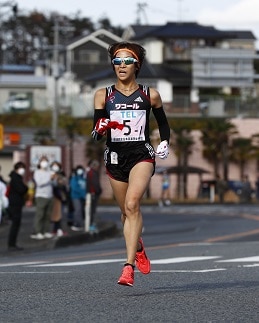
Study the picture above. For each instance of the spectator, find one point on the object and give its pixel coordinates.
(1, 177)
(4, 202)
(17, 194)
(165, 195)
(94, 188)
(77, 185)
(60, 197)
(70, 207)
(43, 178)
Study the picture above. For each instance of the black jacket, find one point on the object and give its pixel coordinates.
(17, 190)
(93, 182)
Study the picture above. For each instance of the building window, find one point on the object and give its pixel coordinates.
(89, 56)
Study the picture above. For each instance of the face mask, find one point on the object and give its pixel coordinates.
(55, 168)
(21, 171)
(80, 171)
(44, 164)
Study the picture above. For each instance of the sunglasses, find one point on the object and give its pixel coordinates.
(126, 60)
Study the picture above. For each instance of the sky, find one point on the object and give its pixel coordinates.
(222, 14)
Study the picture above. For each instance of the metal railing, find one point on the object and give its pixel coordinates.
(229, 107)
(220, 106)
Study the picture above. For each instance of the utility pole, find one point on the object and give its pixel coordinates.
(180, 10)
(141, 10)
(55, 73)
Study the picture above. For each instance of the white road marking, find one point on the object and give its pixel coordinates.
(180, 259)
(81, 263)
(35, 272)
(188, 244)
(254, 265)
(244, 259)
(188, 271)
(106, 261)
(41, 264)
(12, 264)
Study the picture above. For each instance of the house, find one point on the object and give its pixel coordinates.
(216, 60)
(22, 87)
(84, 56)
(187, 63)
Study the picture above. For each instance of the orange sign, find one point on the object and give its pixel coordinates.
(11, 138)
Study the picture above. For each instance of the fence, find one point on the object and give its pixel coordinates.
(229, 107)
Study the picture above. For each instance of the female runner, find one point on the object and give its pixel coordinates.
(122, 114)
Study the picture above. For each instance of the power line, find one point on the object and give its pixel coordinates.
(177, 14)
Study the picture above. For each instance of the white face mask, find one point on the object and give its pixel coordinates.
(21, 171)
(55, 168)
(80, 171)
(44, 164)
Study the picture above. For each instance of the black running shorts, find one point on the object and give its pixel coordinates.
(119, 164)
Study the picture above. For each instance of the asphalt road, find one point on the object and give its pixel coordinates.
(204, 269)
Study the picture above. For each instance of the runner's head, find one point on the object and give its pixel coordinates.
(135, 50)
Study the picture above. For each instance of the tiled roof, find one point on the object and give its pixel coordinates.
(95, 36)
(143, 30)
(187, 30)
(242, 34)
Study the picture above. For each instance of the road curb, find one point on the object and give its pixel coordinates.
(107, 229)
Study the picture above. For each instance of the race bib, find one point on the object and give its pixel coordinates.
(134, 122)
(114, 158)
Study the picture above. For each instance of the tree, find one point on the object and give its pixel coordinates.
(27, 38)
(106, 24)
(241, 151)
(183, 142)
(255, 141)
(215, 138)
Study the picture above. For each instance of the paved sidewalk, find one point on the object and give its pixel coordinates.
(106, 229)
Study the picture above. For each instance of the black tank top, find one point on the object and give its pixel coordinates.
(133, 112)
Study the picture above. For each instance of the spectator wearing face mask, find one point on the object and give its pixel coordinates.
(43, 178)
(60, 197)
(17, 193)
(77, 185)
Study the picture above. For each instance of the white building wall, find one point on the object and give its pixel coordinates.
(154, 51)
(166, 90)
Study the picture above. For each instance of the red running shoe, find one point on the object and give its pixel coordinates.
(142, 261)
(127, 276)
